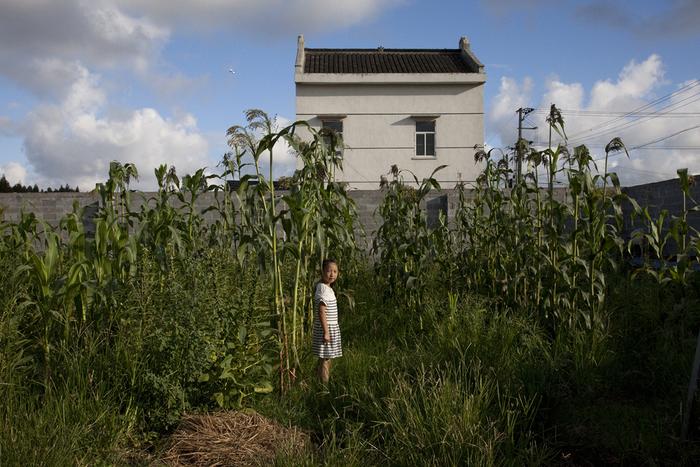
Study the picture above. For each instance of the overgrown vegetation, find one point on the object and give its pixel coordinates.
(526, 330)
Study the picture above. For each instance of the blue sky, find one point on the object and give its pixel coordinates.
(85, 82)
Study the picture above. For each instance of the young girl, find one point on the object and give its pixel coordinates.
(326, 333)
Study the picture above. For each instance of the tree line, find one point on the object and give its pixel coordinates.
(6, 187)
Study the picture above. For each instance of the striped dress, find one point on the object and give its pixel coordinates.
(333, 349)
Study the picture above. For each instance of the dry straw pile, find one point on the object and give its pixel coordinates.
(232, 439)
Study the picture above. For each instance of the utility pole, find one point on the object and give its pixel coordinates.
(522, 113)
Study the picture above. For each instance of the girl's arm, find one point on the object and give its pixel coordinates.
(322, 310)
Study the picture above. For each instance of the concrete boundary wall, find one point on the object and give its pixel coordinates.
(51, 207)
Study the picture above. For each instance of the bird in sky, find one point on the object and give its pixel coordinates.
(230, 70)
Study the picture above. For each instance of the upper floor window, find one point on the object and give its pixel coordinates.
(425, 138)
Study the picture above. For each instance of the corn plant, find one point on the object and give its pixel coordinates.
(315, 217)
(664, 234)
(544, 254)
(404, 243)
(159, 222)
(320, 218)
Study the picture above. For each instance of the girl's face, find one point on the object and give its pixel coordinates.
(330, 273)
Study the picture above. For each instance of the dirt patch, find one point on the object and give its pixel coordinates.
(232, 439)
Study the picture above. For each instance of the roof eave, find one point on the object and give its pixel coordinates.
(389, 78)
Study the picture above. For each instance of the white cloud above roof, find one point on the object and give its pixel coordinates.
(60, 52)
(593, 117)
(74, 140)
(41, 41)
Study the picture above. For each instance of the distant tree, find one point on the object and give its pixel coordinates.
(4, 185)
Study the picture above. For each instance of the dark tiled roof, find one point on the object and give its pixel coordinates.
(385, 61)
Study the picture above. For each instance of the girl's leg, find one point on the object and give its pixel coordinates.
(324, 369)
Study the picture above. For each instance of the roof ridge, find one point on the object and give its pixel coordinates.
(384, 50)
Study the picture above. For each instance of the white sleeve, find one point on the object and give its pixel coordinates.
(319, 295)
(324, 294)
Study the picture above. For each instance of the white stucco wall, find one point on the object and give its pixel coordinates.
(379, 128)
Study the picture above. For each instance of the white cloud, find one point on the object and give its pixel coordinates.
(511, 96)
(595, 117)
(635, 82)
(74, 141)
(58, 51)
(565, 96)
(284, 159)
(261, 18)
(14, 173)
(41, 41)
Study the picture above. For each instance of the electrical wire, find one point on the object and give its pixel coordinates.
(627, 125)
(666, 137)
(684, 88)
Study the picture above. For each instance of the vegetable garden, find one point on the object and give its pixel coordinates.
(518, 332)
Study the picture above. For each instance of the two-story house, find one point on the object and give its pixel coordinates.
(416, 108)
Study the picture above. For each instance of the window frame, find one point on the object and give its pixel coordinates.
(424, 135)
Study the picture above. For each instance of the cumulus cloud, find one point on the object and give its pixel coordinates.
(43, 42)
(14, 172)
(74, 140)
(566, 96)
(511, 96)
(635, 82)
(261, 18)
(284, 157)
(58, 52)
(594, 117)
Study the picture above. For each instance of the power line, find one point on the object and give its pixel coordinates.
(648, 172)
(624, 126)
(647, 145)
(635, 114)
(667, 137)
(674, 148)
(639, 109)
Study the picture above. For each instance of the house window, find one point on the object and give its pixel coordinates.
(425, 138)
(335, 126)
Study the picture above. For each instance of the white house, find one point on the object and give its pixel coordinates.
(416, 108)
